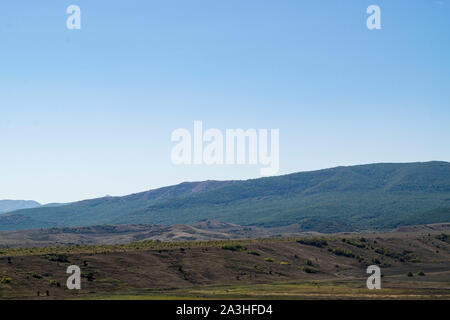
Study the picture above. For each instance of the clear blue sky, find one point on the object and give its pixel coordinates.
(90, 112)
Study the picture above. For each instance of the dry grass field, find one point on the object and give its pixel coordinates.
(319, 267)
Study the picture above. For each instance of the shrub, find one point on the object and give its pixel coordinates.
(343, 252)
(5, 280)
(402, 257)
(355, 243)
(284, 263)
(60, 257)
(253, 253)
(261, 269)
(413, 259)
(231, 247)
(90, 276)
(53, 282)
(410, 274)
(420, 273)
(309, 270)
(269, 259)
(443, 237)
(320, 243)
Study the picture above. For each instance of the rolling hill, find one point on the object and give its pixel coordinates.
(374, 196)
(307, 267)
(121, 234)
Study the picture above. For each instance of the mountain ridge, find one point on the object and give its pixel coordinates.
(344, 198)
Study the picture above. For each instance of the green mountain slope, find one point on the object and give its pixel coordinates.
(346, 198)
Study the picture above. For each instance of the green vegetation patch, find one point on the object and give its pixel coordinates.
(54, 283)
(310, 270)
(319, 243)
(403, 256)
(444, 237)
(5, 280)
(356, 242)
(235, 247)
(344, 252)
(59, 257)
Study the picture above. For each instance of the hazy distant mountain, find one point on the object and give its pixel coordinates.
(338, 199)
(12, 205)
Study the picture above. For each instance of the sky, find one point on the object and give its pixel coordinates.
(90, 112)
